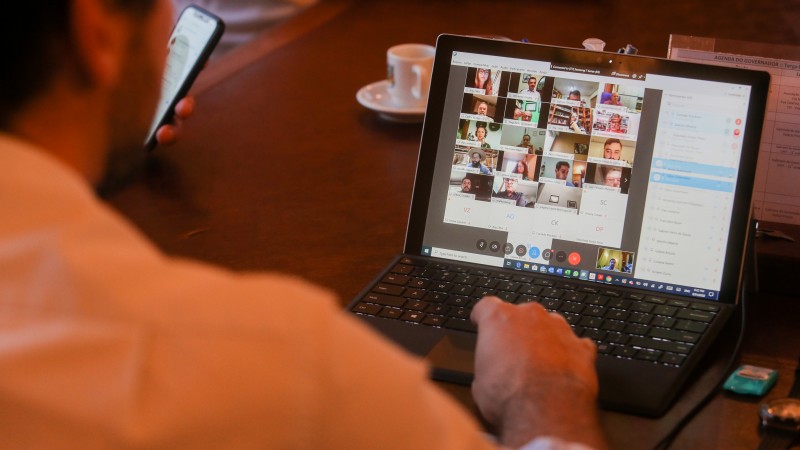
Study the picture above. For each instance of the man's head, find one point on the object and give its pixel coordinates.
(85, 79)
(611, 263)
(612, 149)
(612, 177)
(510, 184)
(562, 170)
(483, 108)
(466, 185)
(477, 157)
(532, 83)
(526, 140)
(574, 95)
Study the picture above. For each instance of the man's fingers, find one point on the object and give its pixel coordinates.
(484, 308)
(167, 135)
(185, 107)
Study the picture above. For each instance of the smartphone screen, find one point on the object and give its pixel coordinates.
(195, 35)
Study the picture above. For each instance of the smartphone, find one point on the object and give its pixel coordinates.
(194, 37)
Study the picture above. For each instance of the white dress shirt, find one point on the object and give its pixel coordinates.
(105, 342)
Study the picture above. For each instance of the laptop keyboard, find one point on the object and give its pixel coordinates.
(622, 324)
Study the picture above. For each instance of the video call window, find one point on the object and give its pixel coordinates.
(613, 260)
(477, 133)
(611, 150)
(475, 159)
(513, 191)
(576, 146)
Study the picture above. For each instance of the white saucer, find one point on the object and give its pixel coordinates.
(375, 97)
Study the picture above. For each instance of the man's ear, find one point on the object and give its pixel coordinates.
(100, 35)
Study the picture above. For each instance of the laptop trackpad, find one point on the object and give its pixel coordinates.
(453, 358)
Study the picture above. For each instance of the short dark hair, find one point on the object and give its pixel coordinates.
(561, 164)
(35, 47)
(612, 141)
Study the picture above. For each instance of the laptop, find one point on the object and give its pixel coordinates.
(613, 189)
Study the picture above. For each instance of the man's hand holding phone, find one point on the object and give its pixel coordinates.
(194, 37)
(168, 134)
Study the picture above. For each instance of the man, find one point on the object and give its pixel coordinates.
(612, 149)
(574, 95)
(477, 156)
(482, 110)
(509, 192)
(612, 176)
(611, 263)
(524, 109)
(108, 343)
(562, 172)
(531, 91)
(466, 185)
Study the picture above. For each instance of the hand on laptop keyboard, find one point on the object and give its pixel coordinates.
(533, 375)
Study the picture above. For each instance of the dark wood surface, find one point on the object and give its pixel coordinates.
(281, 169)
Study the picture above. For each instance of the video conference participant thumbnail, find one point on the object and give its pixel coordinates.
(612, 122)
(477, 186)
(560, 196)
(482, 108)
(561, 171)
(475, 160)
(525, 112)
(520, 165)
(476, 133)
(612, 151)
(578, 93)
(486, 81)
(626, 96)
(520, 138)
(615, 177)
(615, 260)
(570, 145)
(509, 189)
(528, 86)
(575, 119)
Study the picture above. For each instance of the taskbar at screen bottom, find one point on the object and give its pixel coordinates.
(620, 279)
(603, 277)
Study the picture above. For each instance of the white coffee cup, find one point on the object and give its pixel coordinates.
(408, 68)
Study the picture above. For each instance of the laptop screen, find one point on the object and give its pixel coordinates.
(594, 166)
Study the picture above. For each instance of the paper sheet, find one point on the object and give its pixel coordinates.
(776, 193)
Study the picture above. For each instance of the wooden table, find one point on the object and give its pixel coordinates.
(281, 169)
